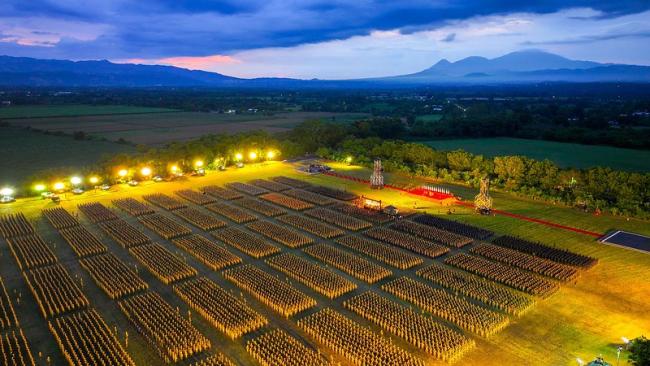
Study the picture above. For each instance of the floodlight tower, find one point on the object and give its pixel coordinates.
(377, 177)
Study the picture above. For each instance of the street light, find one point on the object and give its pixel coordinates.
(252, 155)
(93, 180)
(618, 354)
(6, 191)
(122, 173)
(75, 180)
(239, 156)
(59, 186)
(146, 171)
(348, 159)
(270, 155)
(39, 187)
(198, 163)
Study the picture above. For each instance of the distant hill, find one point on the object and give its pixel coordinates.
(523, 66)
(517, 67)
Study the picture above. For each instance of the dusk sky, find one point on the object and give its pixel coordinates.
(321, 39)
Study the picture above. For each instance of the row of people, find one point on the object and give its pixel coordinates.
(225, 312)
(316, 277)
(313, 226)
(281, 234)
(278, 295)
(351, 264)
(286, 201)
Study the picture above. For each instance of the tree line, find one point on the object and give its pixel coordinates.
(598, 188)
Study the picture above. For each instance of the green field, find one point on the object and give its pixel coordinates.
(35, 111)
(25, 153)
(429, 118)
(563, 154)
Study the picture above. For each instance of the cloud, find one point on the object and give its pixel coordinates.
(167, 28)
(393, 52)
(319, 38)
(449, 38)
(208, 63)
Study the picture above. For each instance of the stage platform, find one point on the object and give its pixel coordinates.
(628, 240)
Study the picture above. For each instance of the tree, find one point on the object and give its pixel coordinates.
(640, 352)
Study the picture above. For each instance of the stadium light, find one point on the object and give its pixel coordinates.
(6, 191)
(146, 171)
(59, 186)
(239, 156)
(122, 173)
(39, 187)
(75, 180)
(93, 180)
(252, 155)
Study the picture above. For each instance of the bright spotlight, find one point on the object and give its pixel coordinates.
(198, 163)
(58, 186)
(122, 173)
(93, 180)
(270, 155)
(252, 155)
(75, 180)
(239, 156)
(146, 171)
(39, 187)
(6, 191)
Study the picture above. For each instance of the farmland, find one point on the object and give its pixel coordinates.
(583, 317)
(67, 110)
(563, 154)
(162, 128)
(47, 152)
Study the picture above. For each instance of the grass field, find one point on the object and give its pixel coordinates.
(429, 118)
(563, 154)
(35, 111)
(25, 153)
(584, 319)
(161, 128)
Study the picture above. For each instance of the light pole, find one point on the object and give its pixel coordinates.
(618, 354)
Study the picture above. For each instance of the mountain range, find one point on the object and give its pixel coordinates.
(528, 66)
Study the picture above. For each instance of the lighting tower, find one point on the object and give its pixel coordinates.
(377, 177)
(483, 201)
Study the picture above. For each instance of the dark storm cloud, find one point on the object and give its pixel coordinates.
(148, 28)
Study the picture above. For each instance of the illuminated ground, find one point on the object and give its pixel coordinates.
(581, 320)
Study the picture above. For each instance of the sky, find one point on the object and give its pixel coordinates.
(330, 39)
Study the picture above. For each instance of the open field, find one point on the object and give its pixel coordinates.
(429, 118)
(161, 128)
(563, 154)
(586, 317)
(25, 153)
(39, 111)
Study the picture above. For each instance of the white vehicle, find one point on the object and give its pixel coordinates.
(239, 164)
(47, 195)
(7, 199)
(133, 183)
(158, 179)
(104, 187)
(77, 191)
